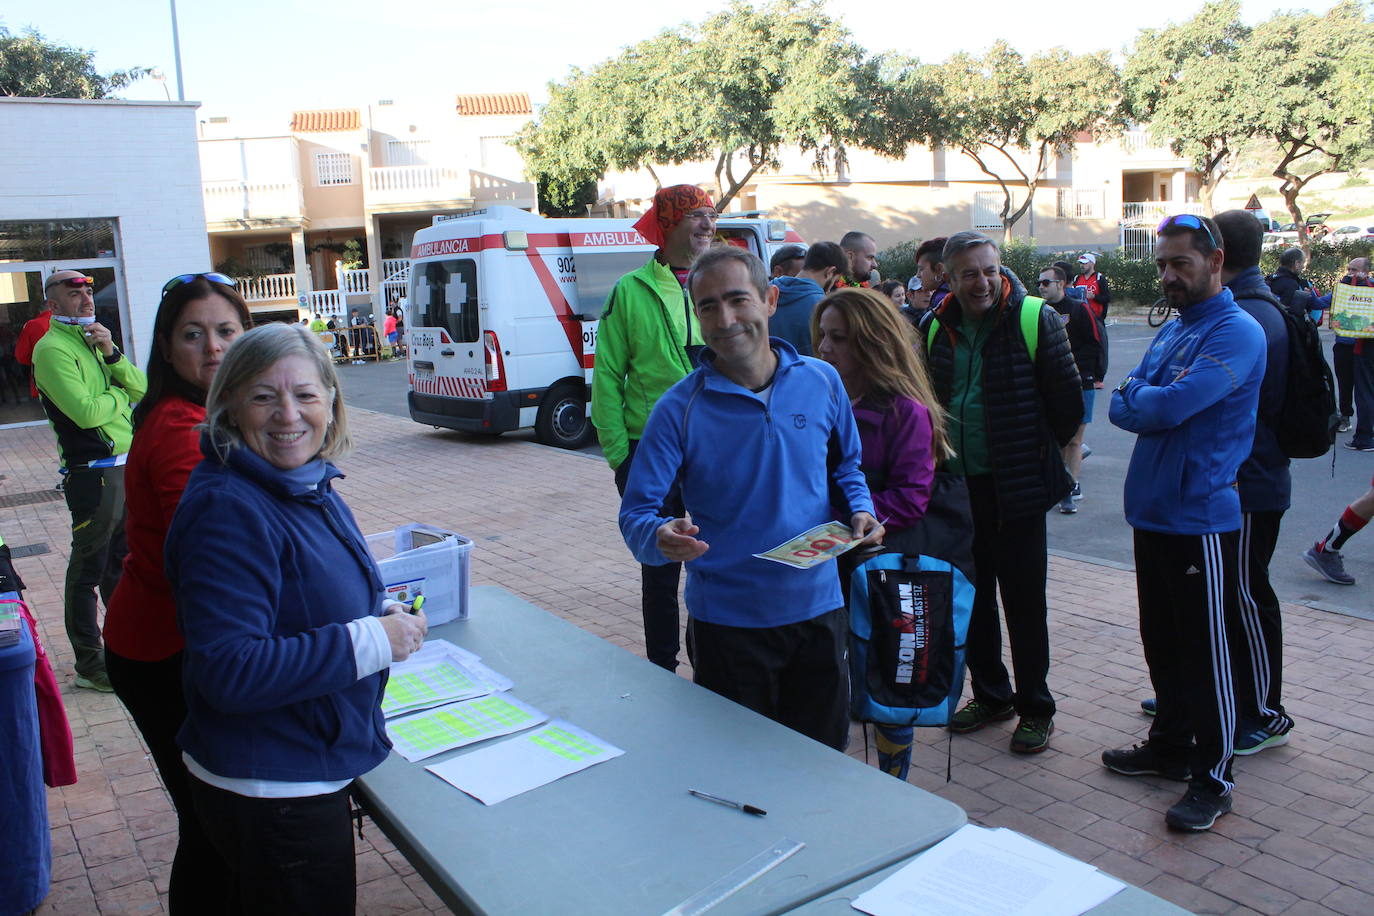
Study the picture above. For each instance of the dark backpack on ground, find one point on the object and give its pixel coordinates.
(1307, 421)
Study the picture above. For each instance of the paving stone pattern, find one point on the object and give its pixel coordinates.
(1301, 839)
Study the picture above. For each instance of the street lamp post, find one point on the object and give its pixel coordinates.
(176, 53)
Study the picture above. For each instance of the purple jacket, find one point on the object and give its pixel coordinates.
(897, 459)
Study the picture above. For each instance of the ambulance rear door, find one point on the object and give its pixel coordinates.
(447, 360)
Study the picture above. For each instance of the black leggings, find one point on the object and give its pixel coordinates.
(151, 691)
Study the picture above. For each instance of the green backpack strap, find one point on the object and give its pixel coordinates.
(1030, 325)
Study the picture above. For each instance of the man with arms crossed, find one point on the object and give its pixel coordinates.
(1192, 403)
(87, 388)
(748, 434)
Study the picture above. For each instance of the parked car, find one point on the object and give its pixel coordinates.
(1351, 233)
(1288, 233)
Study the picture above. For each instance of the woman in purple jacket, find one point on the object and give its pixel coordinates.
(901, 427)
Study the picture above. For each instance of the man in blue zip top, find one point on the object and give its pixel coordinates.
(748, 435)
(1192, 402)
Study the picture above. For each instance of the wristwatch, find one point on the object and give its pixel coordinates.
(1124, 382)
(113, 357)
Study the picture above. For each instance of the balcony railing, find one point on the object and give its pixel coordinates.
(236, 200)
(355, 281)
(488, 189)
(265, 288)
(396, 268)
(327, 301)
(400, 184)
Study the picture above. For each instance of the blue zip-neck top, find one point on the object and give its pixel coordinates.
(754, 474)
(1192, 401)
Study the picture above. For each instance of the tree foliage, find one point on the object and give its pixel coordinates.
(734, 90)
(34, 67)
(1315, 108)
(1188, 83)
(1012, 116)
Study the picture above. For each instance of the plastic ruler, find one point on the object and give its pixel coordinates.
(737, 878)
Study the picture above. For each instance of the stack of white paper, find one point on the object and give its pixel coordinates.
(982, 872)
(439, 673)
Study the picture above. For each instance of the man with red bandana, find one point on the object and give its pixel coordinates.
(646, 342)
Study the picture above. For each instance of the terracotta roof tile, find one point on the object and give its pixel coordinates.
(327, 120)
(502, 103)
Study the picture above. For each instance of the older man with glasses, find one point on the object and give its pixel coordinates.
(1192, 402)
(87, 388)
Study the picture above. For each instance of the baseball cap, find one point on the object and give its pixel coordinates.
(1087, 257)
(786, 253)
(914, 283)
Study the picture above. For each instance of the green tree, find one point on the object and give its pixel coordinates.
(33, 67)
(1011, 116)
(734, 90)
(1316, 109)
(563, 197)
(1188, 83)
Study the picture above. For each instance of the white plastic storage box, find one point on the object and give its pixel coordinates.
(424, 560)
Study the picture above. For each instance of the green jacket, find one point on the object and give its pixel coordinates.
(88, 401)
(641, 352)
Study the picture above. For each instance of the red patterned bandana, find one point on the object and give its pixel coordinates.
(669, 207)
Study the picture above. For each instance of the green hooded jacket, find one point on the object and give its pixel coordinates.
(88, 400)
(641, 352)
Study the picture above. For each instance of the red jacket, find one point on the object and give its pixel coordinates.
(34, 328)
(54, 732)
(140, 623)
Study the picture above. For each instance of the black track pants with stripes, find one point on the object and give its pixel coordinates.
(1189, 606)
(1259, 655)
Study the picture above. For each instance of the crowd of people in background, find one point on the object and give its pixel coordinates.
(738, 403)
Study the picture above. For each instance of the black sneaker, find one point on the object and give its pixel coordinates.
(1344, 426)
(1141, 760)
(975, 715)
(1032, 734)
(1356, 445)
(1067, 506)
(1149, 706)
(1197, 810)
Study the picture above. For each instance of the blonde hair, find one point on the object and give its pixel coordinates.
(885, 345)
(250, 356)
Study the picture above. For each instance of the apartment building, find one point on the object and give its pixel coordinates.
(315, 211)
(1096, 195)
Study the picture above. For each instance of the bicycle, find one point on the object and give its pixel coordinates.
(1160, 312)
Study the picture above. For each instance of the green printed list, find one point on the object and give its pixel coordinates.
(465, 721)
(425, 685)
(565, 744)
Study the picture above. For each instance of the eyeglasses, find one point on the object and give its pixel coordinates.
(1188, 221)
(187, 278)
(1046, 282)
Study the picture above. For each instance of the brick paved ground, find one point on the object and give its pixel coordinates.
(1301, 839)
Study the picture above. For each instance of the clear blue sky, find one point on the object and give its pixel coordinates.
(287, 53)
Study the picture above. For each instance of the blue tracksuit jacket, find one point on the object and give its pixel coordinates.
(753, 475)
(1192, 400)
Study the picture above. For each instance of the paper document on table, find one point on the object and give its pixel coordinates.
(1015, 876)
(824, 542)
(439, 674)
(528, 761)
(424, 734)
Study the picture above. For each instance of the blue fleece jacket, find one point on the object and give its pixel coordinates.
(1264, 479)
(754, 474)
(268, 569)
(1192, 401)
(797, 298)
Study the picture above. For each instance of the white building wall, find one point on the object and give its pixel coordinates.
(135, 162)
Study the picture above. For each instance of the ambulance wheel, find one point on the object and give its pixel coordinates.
(562, 420)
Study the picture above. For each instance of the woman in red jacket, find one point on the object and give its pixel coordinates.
(200, 315)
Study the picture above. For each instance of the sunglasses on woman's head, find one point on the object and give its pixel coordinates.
(187, 278)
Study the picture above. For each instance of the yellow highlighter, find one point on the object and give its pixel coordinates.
(418, 603)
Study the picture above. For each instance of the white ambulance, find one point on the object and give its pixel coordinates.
(503, 307)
